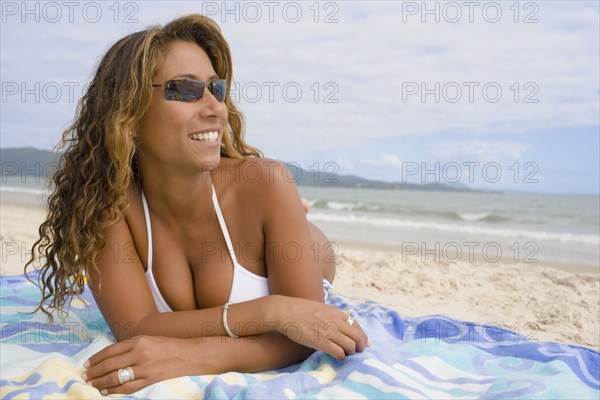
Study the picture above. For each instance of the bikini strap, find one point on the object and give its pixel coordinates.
(223, 225)
(149, 232)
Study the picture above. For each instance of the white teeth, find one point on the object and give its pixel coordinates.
(209, 137)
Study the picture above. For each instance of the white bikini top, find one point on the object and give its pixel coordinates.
(245, 286)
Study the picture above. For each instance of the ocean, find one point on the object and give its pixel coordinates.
(436, 225)
(454, 226)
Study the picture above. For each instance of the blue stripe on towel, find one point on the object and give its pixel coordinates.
(430, 357)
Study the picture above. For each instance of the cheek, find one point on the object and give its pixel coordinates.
(223, 113)
(164, 115)
(152, 117)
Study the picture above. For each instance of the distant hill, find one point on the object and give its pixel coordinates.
(32, 161)
(325, 178)
(27, 161)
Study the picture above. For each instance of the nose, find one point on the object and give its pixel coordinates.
(209, 105)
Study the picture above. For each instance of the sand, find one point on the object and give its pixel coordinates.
(544, 302)
(540, 302)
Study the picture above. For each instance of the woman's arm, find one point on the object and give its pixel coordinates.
(125, 300)
(294, 260)
(154, 359)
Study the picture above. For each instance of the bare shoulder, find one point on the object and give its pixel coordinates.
(127, 235)
(256, 176)
(266, 185)
(122, 222)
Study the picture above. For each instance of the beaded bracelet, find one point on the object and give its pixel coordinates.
(229, 332)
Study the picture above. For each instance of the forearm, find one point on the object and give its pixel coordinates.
(215, 355)
(248, 318)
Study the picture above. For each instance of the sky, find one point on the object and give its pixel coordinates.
(500, 95)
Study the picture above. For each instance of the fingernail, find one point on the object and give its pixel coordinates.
(89, 383)
(368, 343)
(104, 392)
(86, 364)
(84, 376)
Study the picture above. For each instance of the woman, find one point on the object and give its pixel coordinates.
(197, 250)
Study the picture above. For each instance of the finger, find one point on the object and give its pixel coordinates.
(356, 333)
(345, 342)
(127, 387)
(108, 352)
(334, 339)
(359, 336)
(111, 379)
(334, 350)
(109, 365)
(352, 338)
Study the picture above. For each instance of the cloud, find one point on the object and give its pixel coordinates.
(354, 74)
(380, 166)
(477, 150)
(369, 56)
(390, 160)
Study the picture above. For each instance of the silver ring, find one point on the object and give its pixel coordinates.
(350, 320)
(125, 375)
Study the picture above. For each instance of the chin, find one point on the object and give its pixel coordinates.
(210, 164)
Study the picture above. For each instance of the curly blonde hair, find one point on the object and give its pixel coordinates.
(99, 163)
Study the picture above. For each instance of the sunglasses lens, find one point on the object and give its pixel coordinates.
(219, 89)
(184, 90)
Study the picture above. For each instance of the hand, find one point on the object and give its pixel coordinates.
(306, 205)
(319, 326)
(152, 359)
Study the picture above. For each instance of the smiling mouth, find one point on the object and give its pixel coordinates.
(208, 137)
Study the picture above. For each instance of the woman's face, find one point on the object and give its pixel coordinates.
(172, 132)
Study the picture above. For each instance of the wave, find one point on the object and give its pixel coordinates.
(485, 217)
(452, 228)
(462, 216)
(401, 210)
(344, 205)
(339, 205)
(472, 217)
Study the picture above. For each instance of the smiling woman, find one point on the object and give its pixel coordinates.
(153, 202)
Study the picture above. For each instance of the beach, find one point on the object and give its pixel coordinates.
(544, 301)
(541, 302)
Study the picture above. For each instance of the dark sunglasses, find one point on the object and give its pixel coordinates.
(191, 90)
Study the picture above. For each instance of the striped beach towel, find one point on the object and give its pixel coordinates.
(426, 357)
